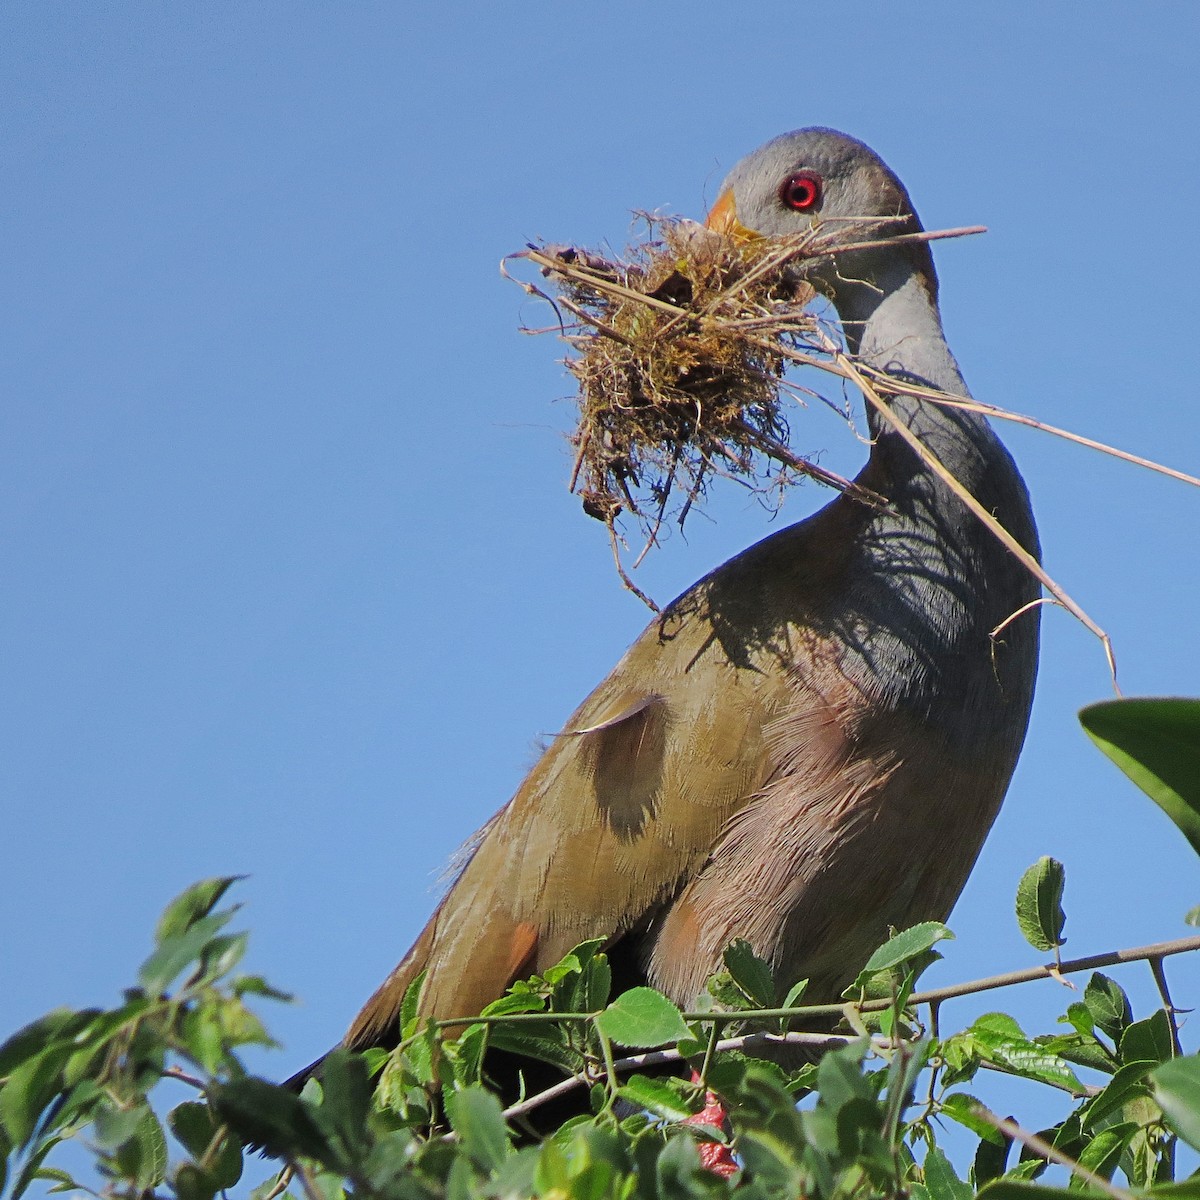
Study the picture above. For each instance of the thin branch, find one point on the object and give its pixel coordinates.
(1160, 981)
(1071, 966)
(615, 544)
(1043, 1149)
(936, 396)
(184, 1077)
(747, 1041)
(899, 239)
(280, 1185)
(1005, 538)
(775, 449)
(306, 1181)
(995, 633)
(1004, 414)
(658, 1058)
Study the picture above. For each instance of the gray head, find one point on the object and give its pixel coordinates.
(826, 178)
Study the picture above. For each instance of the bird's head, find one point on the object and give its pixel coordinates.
(825, 179)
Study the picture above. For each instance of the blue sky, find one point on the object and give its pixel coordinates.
(292, 580)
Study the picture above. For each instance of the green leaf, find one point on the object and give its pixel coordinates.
(903, 946)
(840, 1078)
(1156, 742)
(1108, 1004)
(113, 1126)
(940, 1179)
(465, 1054)
(28, 1090)
(665, 1098)
(26, 1043)
(195, 1125)
(477, 1117)
(1080, 1049)
(62, 1181)
(222, 954)
(965, 1110)
(515, 1002)
(176, 952)
(194, 1183)
(573, 962)
(588, 992)
(998, 1026)
(1019, 1189)
(265, 1115)
(347, 1100)
(1177, 1089)
(1000, 1040)
(1039, 903)
(679, 1174)
(642, 1017)
(750, 973)
(1149, 1040)
(547, 1043)
(33, 1168)
(143, 1156)
(1103, 1152)
(190, 906)
(1126, 1085)
(1185, 1189)
(1080, 1018)
(991, 1160)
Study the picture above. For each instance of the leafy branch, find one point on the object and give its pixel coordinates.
(423, 1121)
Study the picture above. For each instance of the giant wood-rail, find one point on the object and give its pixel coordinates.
(810, 744)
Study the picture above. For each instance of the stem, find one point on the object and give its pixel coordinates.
(710, 1049)
(1005, 538)
(1004, 414)
(1160, 981)
(306, 1182)
(184, 1077)
(1050, 1153)
(1071, 966)
(280, 1185)
(610, 1069)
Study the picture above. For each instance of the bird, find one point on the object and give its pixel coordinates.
(807, 748)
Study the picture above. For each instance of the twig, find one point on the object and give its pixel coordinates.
(280, 1185)
(936, 396)
(184, 1077)
(1071, 966)
(778, 451)
(1043, 1149)
(933, 997)
(899, 239)
(306, 1182)
(1005, 538)
(614, 542)
(657, 1058)
(1160, 981)
(1004, 414)
(995, 633)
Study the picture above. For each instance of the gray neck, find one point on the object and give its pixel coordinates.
(933, 581)
(899, 326)
(896, 327)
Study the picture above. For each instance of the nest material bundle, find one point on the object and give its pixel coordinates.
(680, 350)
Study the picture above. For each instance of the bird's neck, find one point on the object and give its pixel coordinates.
(932, 580)
(893, 324)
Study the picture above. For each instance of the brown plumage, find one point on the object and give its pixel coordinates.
(811, 743)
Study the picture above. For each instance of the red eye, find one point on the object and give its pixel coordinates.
(801, 191)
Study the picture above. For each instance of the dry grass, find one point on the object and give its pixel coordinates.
(680, 350)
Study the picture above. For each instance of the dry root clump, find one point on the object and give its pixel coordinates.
(680, 352)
